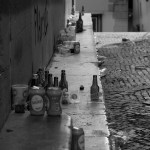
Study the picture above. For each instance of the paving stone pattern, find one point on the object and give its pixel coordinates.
(126, 87)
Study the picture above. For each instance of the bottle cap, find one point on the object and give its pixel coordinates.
(81, 87)
(46, 72)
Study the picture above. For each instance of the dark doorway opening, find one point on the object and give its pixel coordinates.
(72, 3)
(97, 22)
(130, 16)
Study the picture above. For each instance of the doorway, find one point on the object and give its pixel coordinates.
(97, 22)
(130, 15)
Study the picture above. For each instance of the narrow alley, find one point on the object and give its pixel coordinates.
(45, 132)
(72, 77)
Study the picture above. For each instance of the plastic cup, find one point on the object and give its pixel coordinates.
(19, 94)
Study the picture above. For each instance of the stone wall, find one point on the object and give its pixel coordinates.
(4, 62)
(28, 32)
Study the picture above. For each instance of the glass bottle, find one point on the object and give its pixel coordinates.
(34, 83)
(34, 80)
(56, 82)
(41, 76)
(79, 24)
(54, 95)
(73, 10)
(94, 90)
(82, 10)
(50, 80)
(63, 84)
(46, 79)
(80, 16)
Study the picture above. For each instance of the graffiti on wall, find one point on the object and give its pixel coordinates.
(1, 40)
(40, 23)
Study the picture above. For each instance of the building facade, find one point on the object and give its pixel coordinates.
(141, 15)
(117, 15)
(107, 15)
(28, 33)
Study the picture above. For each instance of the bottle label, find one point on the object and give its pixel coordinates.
(81, 142)
(95, 96)
(55, 103)
(37, 103)
(65, 96)
(57, 107)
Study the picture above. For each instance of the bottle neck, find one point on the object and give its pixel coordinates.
(63, 77)
(80, 18)
(50, 80)
(46, 76)
(82, 8)
(55, 81)
(95, 80)
(34, 81)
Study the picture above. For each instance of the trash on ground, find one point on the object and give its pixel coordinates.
(81, 87)
(74, 97)
(103, 72)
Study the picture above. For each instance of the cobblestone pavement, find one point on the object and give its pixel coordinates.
(126, 87)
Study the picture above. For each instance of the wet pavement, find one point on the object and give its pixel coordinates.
(23, 131)
(80, 68)
(126, 86)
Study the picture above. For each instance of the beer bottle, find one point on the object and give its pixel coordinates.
(72, 10)
(56, 82)
(54, 95)
(46, 79)
(50, 81)
(79, 24)
(94, 91)
(41, 76)
(82, 10)
(63, 84)
(34, 81)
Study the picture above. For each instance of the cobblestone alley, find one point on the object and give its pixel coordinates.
(126, 87)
